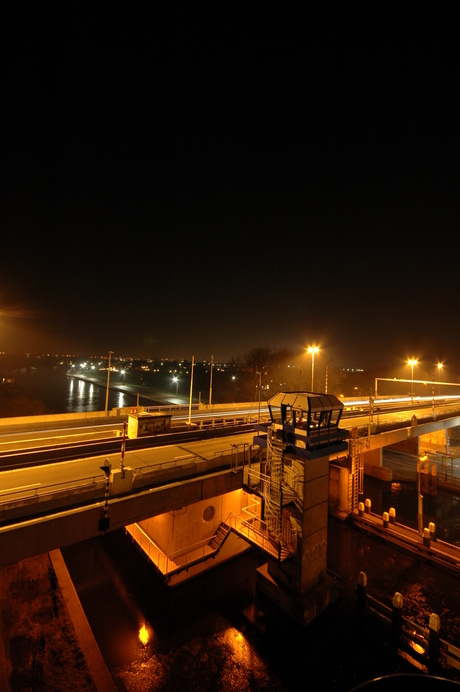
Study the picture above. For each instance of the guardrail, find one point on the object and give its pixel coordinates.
(424, 644)
(174, 562)
(24, 502)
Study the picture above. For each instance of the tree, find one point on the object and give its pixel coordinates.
(19, 405)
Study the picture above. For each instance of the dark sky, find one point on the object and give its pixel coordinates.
(213, 177)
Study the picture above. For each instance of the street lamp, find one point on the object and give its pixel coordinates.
(412, 362)
(439, 376)
(312, 350)
(176, 381)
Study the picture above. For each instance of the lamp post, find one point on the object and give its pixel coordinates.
(312, 350)
(191, 392)
(420, 496)
(412, 362)
(439, 376)
(258, 372)
(210, 381)
(108, 380)
(176, 382)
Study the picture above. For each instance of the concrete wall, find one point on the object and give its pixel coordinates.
(183, 528)
(436, 438)
(32, 422)
(371, 459)
(454, 435)
(411, 445)
(338, 491)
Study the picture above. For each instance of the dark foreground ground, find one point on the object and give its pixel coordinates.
(211, 638)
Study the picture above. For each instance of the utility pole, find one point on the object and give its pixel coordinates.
(104, 522)
(123, 446)
(108, 380)
(260, 387)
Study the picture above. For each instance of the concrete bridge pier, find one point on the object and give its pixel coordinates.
(300, 585)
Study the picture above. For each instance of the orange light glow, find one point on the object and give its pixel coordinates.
(416, 647)
(143, 634)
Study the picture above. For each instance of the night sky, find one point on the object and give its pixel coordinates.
(213, 177)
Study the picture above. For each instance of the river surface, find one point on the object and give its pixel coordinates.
(215, 632)
(61, 393)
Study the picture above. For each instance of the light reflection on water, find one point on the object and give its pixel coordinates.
(62, 393)
(228, 657)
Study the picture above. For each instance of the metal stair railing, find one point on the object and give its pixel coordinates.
(258, 534)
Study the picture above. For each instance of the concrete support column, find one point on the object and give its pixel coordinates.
(313, 551)
(338, 491)
(308, 568)
(300, 584)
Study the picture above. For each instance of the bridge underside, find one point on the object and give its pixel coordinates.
(42, 534)
(416, 440)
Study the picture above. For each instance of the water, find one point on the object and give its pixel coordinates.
(61, 393)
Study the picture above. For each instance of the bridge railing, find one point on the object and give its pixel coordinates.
(19, 503)
(171, 563)
(255, 531)
(31, 500)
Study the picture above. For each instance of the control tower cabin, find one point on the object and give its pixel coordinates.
(306, 423)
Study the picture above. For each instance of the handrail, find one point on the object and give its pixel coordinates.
(167, 563)
(36, 491)
(167, 464)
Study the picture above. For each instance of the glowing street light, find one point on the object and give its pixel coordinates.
(412, 362)
(312, 350)
(176, 381)
(439, 375)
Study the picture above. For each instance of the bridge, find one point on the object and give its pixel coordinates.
(217, 473)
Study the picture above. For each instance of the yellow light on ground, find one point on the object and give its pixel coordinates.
(143, 635)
